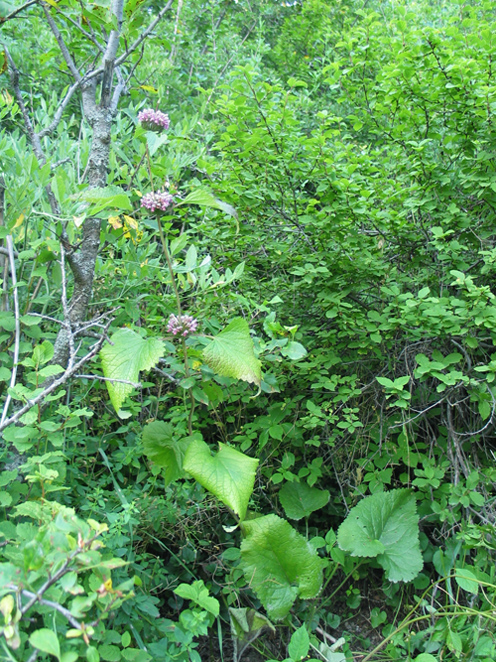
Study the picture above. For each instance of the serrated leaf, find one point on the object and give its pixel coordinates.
(46, 641)
(300, 500)
(231, 354)
(207, 199)
(385, 525)
(279, 564)
(229, 475)
(197, 592)
(124, 359)
(299, 645)
(165, 450)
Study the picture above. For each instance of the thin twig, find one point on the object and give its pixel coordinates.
(94, 349)
(61, 44)
(65, 308)
(144, 34)
(109, 379)
(13, 377)
(14, 13)
(54, 605)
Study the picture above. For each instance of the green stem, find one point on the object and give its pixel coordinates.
(340, 585)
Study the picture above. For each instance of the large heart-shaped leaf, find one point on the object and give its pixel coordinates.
(229, 475)
(300, 500)
(128, 354)
(279, 564)
(164, 449)
(385, 525)
(231, 354)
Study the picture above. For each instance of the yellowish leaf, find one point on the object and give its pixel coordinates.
(115, 222)
(19, 221)
(131, 222)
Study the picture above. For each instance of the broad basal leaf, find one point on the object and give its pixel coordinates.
(385, 525)
(124, 359)
(164, 449)
(229, 475)
(279, 564)
(300, 500)
(231, 354)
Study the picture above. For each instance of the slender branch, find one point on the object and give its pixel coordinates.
(111, 54)
(90, 37)
(5, 251)
(109, 379)
(144, 34)
(65, 308)
(56, 383)
(13, 377)
(58, 115)
(54, 605)
(61, 44)
(18, 11)
(118, 90)
(33, 136)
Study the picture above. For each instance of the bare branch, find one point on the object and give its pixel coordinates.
(18, 11)
(111, 54)
(54, 605)
(5, 251)
(13, 376)
(58, 115)
(109, 379)
(61, 43)
(144, 34)
(33, 136)
(90, 37)
(68, 373)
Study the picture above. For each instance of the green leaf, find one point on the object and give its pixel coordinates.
(207, 199)
(230, 354)
(385, 525)
(109, 196)
(124, 359)
(467, 580)
(294, 351)
(197, 592)
(248, 624)
(425, 657)
(164, 449)
(229, 475)
(109, 653)
(279, 564)
(300, 500)
(46, 641)
(299, 645)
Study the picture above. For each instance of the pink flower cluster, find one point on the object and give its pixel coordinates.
(153, 120)
(157, 201)
(183, 325)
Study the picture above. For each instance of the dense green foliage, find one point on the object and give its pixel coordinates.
(275, 414)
